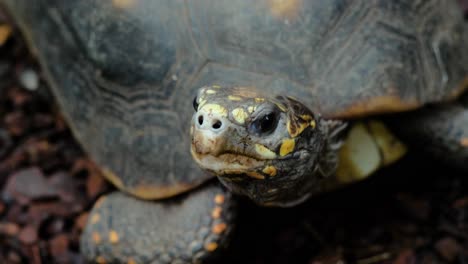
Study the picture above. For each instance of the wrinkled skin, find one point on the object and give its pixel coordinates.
(272, 149)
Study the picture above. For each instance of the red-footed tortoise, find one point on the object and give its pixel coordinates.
(277, 75)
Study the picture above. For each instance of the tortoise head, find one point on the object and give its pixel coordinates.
(271, 148)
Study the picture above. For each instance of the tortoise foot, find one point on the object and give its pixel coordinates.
(441, 131)
(186, 229)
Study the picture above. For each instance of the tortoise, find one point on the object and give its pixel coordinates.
(275, 83)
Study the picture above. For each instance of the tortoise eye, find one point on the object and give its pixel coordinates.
(264, 124)
(195, 103)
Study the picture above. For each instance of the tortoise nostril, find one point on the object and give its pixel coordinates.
(217, 124)
(200, 120)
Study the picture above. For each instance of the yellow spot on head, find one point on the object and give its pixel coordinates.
(296, 129)
(264, 152)
(255, 175)
(216, 213)
(259, 100)
(219, 228)
(201, 102)
(216, 86)
(251, 109)
(464, 142)
(212, 246)
(95, 218)
(101, 260)
(281, 107)
(113, 237)
(313, 124)
(219, 199)
(215, 109)
(287, 146)
(239, 115)
(96, 237)
(270, 170)
(234, 98)
(210, 92)
(306, 117)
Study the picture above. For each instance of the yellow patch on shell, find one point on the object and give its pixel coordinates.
(287, 146)
(264, 152)
(239, 115)
(270, 170)
(234, 98)
(215, 109)
(113, 237)
(255, 175)
(210, 92)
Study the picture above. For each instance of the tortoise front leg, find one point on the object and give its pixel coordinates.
(186, 229)
(441, 131)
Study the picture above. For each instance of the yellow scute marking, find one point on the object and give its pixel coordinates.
(210, 92)
(264, 152)
(215, 109)
(239, 115)
(287, 146)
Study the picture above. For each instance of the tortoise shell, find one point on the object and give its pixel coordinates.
(125, 71)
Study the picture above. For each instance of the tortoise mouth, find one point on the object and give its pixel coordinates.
(226, 163)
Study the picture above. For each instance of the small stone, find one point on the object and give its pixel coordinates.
(30, 183)
(59, 245)
(9, 229)
(448, 248)
(29, 79)
(28, 235)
